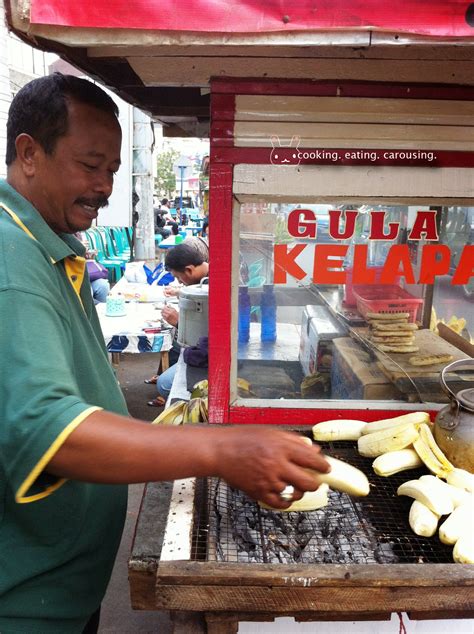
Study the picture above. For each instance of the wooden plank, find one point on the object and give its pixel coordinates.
(279, 600)
(353, 110)
(188, 623)
(338, 88)
(317, 575)
(455, 340)
(197, 71)
(348, 135)
(300, 182)
(142, 585)
(441, 614)
(227, 48)
(178, 532)
(429, 343)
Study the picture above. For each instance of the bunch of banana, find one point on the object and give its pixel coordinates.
(180, 412)
(201, 389)
(244, 389)
(314, 385)
(458, 324)
(172, 415)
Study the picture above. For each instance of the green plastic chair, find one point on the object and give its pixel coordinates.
(120, 241)
(114, 267)
(109, 247)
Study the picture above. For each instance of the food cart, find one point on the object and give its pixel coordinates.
(341, 188)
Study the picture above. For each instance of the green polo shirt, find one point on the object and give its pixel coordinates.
(58, 538)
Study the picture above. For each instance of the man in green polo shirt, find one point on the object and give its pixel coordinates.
(67, 447)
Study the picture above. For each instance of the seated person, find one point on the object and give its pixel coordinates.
(98, 274)
(188, 266)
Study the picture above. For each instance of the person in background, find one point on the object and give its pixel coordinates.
(189, 266)
(205, 229)
(68, 446)
(99, 279)
(200, 245)
(98, 274)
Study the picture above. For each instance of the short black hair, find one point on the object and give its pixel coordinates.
(164, 201)
(181, 256)
(40, 109)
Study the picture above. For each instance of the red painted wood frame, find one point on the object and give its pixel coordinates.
(224, 155)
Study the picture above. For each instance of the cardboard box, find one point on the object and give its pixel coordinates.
(318, 329)
(355, 376)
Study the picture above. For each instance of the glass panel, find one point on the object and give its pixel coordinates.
(342, 302)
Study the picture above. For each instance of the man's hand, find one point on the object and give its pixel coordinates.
(262, 462)
(170, 315)
(171, 291)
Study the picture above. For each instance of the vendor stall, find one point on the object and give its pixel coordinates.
(342, 209)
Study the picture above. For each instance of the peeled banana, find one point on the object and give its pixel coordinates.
(415, 418)
(463, 552)
(344, 477)
(395, 461)
(311, 501)
(426, 447)
(460, 520)
(391, 439)
(338, 430)
(461, 479)
(422, 520)
(458, 496)
(427, 494)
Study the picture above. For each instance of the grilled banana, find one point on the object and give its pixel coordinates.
(429, 495)
(422, 520)
(391, 439)
(395, 461)
(338, 430)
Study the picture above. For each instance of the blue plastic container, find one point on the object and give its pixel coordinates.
(244, 314)
(268, 314)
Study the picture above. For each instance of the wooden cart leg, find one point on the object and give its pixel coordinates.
(164, 362)
(188, 622)
(222, 623)
(115, 360)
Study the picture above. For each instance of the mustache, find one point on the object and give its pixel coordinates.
(99, 202)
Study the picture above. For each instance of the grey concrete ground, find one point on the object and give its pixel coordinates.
(117, 616)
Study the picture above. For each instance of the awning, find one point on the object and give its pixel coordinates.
(446, 18)
(161, 55)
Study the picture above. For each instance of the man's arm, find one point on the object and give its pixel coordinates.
(260, 461)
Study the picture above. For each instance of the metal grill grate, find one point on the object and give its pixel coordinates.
(230, 527)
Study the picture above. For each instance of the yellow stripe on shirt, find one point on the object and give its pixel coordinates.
(75, 268)
(20, 496)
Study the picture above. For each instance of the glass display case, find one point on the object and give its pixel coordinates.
(357, 292)
(341, 265)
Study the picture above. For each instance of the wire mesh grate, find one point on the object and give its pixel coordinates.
(230, 527)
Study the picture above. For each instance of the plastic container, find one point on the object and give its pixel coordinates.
(268, 314)
(244, 314)
(385, 298)
(349, 297)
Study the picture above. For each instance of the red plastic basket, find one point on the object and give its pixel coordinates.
(384, 298)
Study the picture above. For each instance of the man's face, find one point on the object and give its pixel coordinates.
(191, 275)
(70, 185)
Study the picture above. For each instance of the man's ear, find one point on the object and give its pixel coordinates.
(27, 150)
(189, 269)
